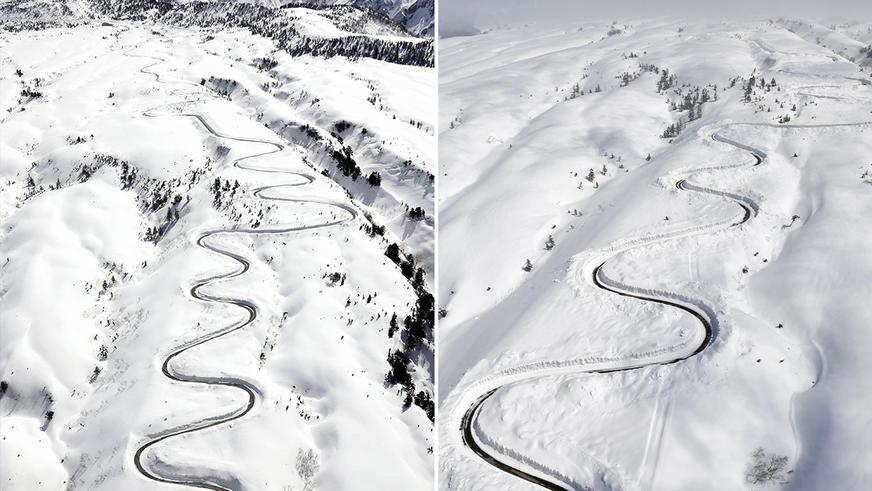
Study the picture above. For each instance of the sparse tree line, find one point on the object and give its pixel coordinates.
(416, 333)
(688, 99)
(265, 64)
(23, 16)
(346, 164)
(755, 88)
(371, 227)
(152, 195)
(273, 24)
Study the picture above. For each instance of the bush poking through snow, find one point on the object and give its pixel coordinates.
(307, 466)
(549, 244)
(765, 468)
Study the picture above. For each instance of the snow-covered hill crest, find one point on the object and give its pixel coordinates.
(327, 31)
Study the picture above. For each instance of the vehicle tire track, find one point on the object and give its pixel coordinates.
(251, 391)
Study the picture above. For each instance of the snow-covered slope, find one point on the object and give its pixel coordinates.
(693, 200)
(203, 240)
(415, 15)
(333, 31)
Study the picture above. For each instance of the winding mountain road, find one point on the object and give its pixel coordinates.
(543, 476)
(345, 213)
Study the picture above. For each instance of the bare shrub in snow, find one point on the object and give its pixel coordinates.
(766, 468)
(307, 466)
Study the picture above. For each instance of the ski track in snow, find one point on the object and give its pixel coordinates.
(141, 458)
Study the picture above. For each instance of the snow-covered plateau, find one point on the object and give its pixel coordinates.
(654, 256)
(216, 248)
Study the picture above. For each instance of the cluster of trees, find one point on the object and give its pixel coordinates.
(398, 373)
(575, 92)
(32, 189)
(219, 191)
(311, 132)
(132, 9)
(27, 16)
(673, 129)
(265, 64)
(345, 162)
(374, 179)
(416, 53)
(692, 101)
(667, 80)
(341, 126)
(424, 401)
(748, 86)
(407, 265)
(549, 245)
(336, 278)
(417, 331)
(417, 213)
(689, 99)
(107, 284)
(371, 227)
(154, 234)
(128, 175)
(28, 94)
(591, 175)
(271, 23)
(628, 77)
(223, 86)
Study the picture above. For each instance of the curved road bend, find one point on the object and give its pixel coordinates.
(471, 413)
(251, 391)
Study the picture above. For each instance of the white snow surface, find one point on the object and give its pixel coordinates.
(785, 371)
